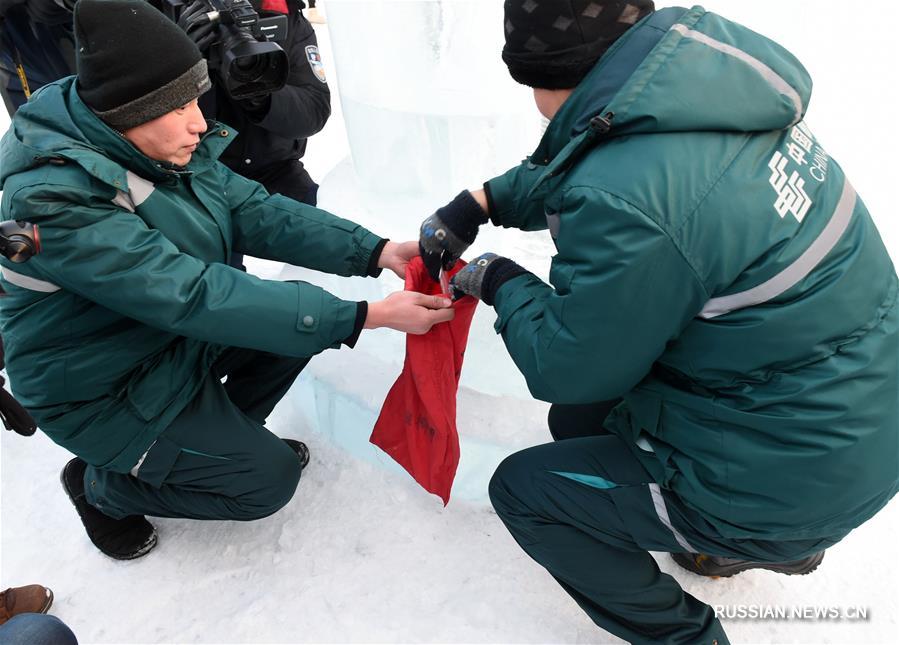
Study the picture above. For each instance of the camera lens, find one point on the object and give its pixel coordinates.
(248, 68)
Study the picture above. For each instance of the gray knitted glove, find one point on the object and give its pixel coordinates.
(483, 276)
(446, 234)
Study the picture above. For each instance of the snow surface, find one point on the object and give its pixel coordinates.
(361, 554)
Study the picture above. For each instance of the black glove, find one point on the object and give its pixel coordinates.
(256, 106)
(446, 234)
(483, 276)
(194, 20)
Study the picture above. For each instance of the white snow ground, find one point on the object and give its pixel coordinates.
(362, 554)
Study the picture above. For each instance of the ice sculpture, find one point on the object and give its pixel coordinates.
(429, 109)
(428, 104)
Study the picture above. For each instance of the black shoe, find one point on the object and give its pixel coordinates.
(300, 448)
(714, 566)
(124, 539)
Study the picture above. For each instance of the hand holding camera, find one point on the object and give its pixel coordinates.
(196, 23)
(240, 46)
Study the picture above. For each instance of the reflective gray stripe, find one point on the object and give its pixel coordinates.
(123, 200)
(775, 80)
(139, 189)
(141, 460)
(803, 265)
(662, 511)
(26, 282)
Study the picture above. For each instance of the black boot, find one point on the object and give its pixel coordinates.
(300, 448)
(124, 539)
(714, 566)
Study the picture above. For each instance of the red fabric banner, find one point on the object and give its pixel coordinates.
(417, 425)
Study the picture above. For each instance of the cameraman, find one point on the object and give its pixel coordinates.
(272, 129)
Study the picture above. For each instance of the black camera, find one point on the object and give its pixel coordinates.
(242, 47)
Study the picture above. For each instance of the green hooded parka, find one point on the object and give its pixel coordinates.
(716, 269)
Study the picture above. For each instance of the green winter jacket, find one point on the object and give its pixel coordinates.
(111, 329)
(716, 269)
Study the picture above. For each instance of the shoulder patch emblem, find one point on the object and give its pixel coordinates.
(315, 62)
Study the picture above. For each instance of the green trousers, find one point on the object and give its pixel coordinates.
(586, 510)
(216, 460)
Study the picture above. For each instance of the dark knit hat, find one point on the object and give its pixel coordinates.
(553, 44)
(133, 63)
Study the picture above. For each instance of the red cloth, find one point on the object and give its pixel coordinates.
(417, 425)
(276, 6)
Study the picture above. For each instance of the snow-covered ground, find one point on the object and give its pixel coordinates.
(361, 554)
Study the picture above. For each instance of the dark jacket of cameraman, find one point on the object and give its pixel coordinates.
(36, 42)
(272, 136)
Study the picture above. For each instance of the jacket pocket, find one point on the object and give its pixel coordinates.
(162, 456)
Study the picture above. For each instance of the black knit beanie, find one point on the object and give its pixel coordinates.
(133, 63)
(553, 44)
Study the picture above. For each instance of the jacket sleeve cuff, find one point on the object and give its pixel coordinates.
(361, 315)
(491, 205)
(373, 270)
(497, 274)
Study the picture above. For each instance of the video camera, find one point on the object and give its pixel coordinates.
(242, 46)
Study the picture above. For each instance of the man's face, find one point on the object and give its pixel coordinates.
(172, 137)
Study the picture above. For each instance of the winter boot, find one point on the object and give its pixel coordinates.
(714, 566)
(300, 448)
(124, 539)
(31, 599)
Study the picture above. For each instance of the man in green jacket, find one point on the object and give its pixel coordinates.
(720, 338)
(120, 331)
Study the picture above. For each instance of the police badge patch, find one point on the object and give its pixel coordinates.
(315, 62)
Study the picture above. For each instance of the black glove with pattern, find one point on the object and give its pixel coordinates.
(446, 234)
(483, 276)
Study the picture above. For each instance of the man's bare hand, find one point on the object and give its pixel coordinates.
(396, 256)
(409, 311)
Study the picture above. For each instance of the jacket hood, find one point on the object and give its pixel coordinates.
(56, 124)
(681, 71)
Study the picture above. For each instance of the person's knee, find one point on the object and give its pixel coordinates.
(278, 476)
(36, 629)
(513, 476)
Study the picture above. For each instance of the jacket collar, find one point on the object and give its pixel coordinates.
(603, 83)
